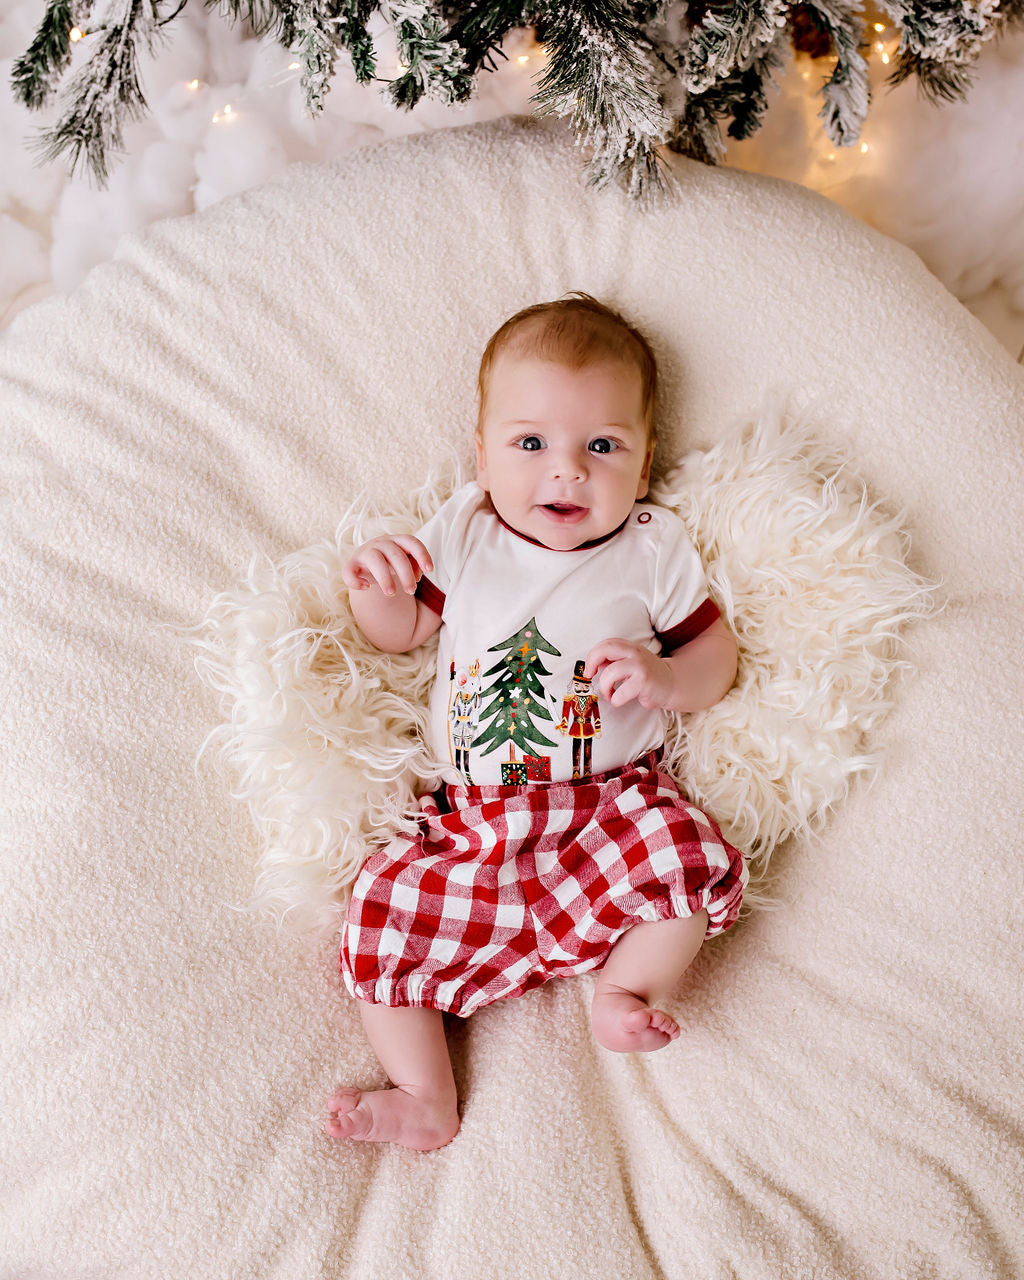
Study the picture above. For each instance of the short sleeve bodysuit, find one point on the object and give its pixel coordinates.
(510, 703)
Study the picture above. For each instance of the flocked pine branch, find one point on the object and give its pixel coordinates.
(847, 92)
(939, 41)
(632, 75)
(481, 27)
(105, 94)
(743, 95)
(354, 36)
(731, 36)
(37, 72)
(433, 63)
(599, 74)
(315, 42)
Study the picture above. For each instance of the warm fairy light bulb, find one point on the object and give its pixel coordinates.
(863, 147)
(879, 26)
(193, 84)
(885, 58)
(294, 66)
(523, 58)
(75, 35)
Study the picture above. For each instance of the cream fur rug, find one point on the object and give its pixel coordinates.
(323, 734)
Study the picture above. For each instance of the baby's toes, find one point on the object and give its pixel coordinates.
(344, 1101)
(663, 1023)
(341, 1123)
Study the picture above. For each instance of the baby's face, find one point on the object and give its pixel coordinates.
(564, 453)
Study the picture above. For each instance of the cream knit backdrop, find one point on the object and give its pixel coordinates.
(845, 1098)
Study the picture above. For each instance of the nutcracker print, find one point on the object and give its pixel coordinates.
(463, 714)
(581, 720)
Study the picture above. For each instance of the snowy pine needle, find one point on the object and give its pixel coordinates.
(104, 95)
(599, 76)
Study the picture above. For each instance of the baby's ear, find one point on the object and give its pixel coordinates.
(645, 474)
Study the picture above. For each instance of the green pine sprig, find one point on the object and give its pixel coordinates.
(103, 96)
(37, 72)
(599, 75)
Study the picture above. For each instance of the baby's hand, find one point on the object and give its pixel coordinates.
(629, 671)
(389, 562)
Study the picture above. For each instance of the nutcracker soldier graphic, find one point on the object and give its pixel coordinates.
(581, 720)
(463, 714)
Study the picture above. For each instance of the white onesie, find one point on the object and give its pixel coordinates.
(510, 704)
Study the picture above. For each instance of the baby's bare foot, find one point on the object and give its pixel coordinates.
(393, 1115)
(623, 1022)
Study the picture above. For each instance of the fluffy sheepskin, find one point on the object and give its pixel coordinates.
(324, 735)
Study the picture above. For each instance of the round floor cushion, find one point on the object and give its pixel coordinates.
(843, 1100)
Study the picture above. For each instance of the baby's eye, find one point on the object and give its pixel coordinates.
(530, 443)
(603, 445)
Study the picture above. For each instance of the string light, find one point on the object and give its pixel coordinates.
(75, 35)
(193, 85)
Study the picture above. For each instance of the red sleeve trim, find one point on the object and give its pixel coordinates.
(683, 632)
(432, 597)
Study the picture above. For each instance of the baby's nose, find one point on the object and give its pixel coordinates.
(569, 466)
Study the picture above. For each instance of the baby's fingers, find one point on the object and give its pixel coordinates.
(370, 566)
(606, 652)
(354, 576)
(404, 571)
(417, 553)
(391, 569)
(627, 690)
(613, 675)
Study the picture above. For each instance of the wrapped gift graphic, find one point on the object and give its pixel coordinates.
(538, 768)
(513, 772)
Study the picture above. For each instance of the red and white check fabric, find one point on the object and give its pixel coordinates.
(516, 885)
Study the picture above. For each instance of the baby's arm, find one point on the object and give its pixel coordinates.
(392, 619)
(694, 677)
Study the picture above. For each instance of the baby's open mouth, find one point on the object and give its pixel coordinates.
(565, 512)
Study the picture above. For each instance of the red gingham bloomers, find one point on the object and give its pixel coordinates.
(519, 884)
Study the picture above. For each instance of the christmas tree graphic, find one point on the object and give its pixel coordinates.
(514, 704)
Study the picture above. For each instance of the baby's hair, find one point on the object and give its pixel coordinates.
(574, 331)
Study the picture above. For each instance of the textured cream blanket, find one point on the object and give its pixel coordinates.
(845, 1099)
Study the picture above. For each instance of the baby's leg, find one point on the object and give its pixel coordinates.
(644, 967)
(421, 1111)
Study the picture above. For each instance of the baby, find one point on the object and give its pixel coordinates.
(573, 616)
